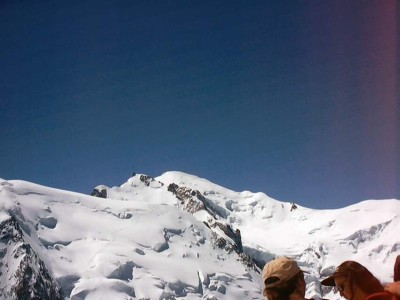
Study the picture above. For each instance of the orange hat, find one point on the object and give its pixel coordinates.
(283, 268)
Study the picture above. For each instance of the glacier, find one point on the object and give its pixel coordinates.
(178, 236)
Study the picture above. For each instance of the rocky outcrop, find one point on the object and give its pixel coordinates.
(99, 191)
(150, 181)
(23, 275)
(230, 240)
(192, 200)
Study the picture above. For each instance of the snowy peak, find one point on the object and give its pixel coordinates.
(138, 244)
(178, 236)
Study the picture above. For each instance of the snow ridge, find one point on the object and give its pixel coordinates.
(178, 236)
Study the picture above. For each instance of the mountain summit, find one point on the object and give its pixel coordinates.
(177, 236)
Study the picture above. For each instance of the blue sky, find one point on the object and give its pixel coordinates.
(296, 99)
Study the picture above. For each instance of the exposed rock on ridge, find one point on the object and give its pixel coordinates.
(193, 201)
(23, 275)
(99, 191)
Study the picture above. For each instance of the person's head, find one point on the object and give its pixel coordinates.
(282, 277)
(353, 281)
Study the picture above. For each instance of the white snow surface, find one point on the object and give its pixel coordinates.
(139, 243)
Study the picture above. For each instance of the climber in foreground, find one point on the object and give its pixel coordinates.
(283, 280)
(355, 282)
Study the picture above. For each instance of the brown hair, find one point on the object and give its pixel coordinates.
(284, 290)
(360, 277)
(396, 275)
(360, 280)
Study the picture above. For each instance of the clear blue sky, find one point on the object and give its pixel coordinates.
(296, 99)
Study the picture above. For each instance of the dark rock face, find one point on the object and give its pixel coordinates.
(99, 192)
(193, 201)
(23, 274)
(173, 188)
(147, 180)
(234, 235)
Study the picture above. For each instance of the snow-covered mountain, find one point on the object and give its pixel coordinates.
(177, 236)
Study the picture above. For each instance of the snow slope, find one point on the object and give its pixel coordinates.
(142, 243)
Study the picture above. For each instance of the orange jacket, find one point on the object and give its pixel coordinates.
(382, 296)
